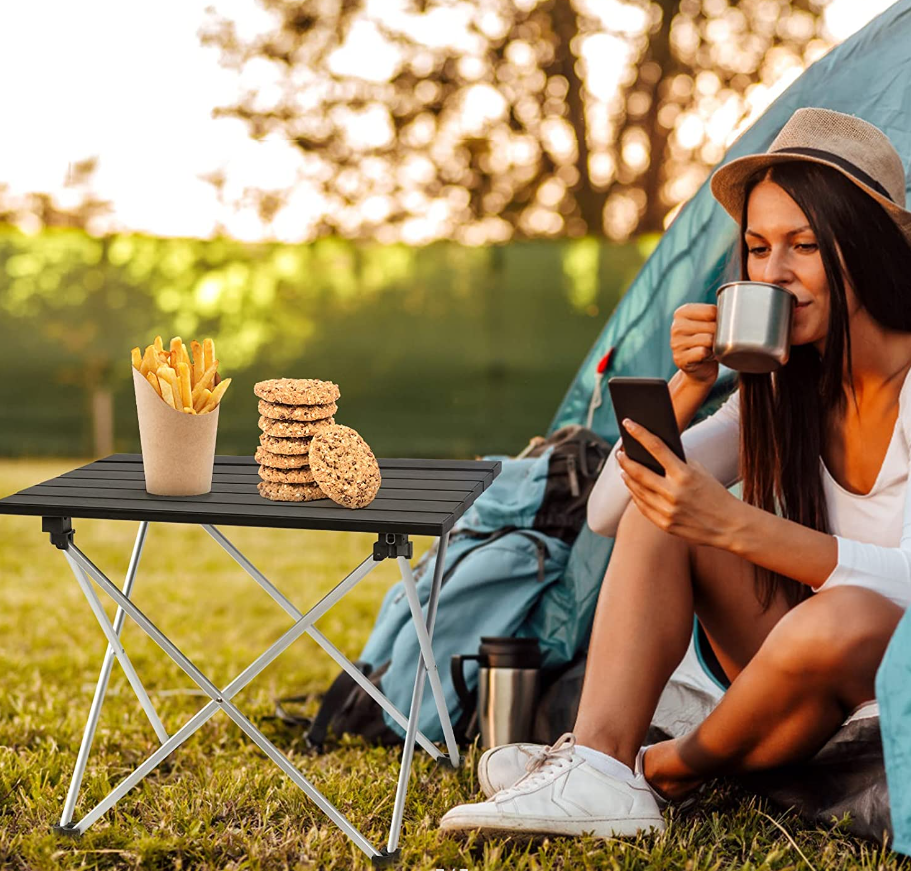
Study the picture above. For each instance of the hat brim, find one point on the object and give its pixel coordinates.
(728, 182)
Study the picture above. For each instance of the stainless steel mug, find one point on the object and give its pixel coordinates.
(753, 325)
(508, 677)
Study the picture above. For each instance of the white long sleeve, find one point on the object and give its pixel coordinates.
(887, 570)
(873, 530)
(713, 442)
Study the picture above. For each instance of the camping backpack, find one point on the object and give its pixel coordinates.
(504, 554)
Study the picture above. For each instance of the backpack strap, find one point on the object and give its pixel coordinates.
(332, 701)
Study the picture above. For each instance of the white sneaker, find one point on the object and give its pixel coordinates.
(683, 804)
(502, 766)
(562, 795)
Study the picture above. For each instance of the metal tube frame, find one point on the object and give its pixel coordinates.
(85, 572)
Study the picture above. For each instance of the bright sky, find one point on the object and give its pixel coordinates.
(129, 83)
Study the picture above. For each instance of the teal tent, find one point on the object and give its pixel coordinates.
(869, 75)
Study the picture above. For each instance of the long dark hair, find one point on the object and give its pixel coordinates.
(784, 414)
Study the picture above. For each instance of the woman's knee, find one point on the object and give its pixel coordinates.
(636, 527)
(832, 635)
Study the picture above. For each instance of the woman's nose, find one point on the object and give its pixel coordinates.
(777, 266)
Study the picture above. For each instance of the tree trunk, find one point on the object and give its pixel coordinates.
(103, 421)
(590, 200)
(659, 51)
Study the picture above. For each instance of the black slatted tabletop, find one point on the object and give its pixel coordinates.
(417, 497)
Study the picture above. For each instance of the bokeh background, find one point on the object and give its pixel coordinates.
(434, 203)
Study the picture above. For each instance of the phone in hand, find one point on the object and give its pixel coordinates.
(646, 401)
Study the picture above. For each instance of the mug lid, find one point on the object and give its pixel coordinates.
(510, 652)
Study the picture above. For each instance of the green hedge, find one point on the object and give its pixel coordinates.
(444, 350)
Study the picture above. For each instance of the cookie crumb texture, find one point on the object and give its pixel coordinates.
(344, 466)
(289, 492)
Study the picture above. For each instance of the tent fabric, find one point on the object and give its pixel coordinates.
(868, 75)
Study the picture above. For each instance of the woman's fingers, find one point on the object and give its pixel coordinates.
(693, 355)
(685, 327)
(630, 470)
(703, 311)
(646, 501)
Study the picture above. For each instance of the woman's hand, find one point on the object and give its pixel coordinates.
(692, 341)
(688, 501)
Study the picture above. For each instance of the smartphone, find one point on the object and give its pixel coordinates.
(646, 401)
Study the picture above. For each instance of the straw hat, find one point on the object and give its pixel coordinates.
(857, 149)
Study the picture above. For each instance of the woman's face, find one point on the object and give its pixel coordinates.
(783, 250)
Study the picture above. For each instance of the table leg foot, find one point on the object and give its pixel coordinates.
(69, 830)
(384, 858)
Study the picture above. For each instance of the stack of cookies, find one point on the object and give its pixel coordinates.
(304, 454)
(292, 411)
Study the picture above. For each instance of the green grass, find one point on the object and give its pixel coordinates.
(218, 802)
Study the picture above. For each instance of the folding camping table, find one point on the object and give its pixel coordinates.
(417, 497)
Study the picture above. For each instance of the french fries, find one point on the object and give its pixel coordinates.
(185, 383)
(203, 400)
(153, 380)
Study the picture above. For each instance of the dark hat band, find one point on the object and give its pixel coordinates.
(838, 160)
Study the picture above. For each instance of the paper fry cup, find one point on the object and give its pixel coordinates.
(178, 449)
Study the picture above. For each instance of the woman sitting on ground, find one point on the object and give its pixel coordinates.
(799, 585)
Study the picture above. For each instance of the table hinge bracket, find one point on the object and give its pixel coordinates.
(61, 530)
(392, 544)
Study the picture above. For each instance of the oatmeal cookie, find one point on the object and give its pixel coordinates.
(286, 446)
(279, 411)
(344, 467)
(293, 428)
(280, 461)
(286, 476)
(297, 391)
(289, 492)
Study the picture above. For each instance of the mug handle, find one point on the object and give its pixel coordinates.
(466, 699)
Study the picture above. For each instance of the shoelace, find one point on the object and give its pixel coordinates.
(541, 764)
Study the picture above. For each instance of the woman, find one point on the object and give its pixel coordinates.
(799, 585)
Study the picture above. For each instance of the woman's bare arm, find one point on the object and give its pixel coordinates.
(782, 545)
(687, 397)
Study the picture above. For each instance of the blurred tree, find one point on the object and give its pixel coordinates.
(77, 206)
(71, 307)
(493, 119)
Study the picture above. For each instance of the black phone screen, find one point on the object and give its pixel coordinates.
(646, 401)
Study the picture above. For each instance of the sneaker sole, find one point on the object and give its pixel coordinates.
(539, 826)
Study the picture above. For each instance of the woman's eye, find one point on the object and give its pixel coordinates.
(808, 246)
(759, 249)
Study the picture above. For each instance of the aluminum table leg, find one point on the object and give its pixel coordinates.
(88, 736)
(408, 750)
(84, 569)
(356, 675)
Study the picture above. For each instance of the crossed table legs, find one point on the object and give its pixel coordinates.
(389, 544)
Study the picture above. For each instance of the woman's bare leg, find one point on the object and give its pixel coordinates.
(643, 622)
(817, 664)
